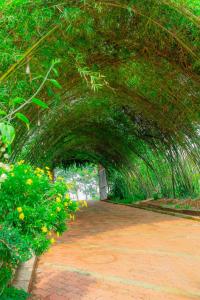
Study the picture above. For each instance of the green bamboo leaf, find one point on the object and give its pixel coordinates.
(7, 133)
(3, 113)
(17, 100)
(55, 72)
(55, 61)
(23, 118)
(55, 83)
(39, 103)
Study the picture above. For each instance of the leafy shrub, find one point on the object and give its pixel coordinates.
(157, 195)
(14, 294)
(33, 210)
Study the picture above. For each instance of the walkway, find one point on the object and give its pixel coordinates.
(122, 253)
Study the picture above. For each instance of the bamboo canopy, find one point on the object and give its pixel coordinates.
(125, 92)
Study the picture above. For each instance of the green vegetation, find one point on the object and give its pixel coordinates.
(180, 180)
(12, 293)
(33, 210)
(113, 82)
(107, 82)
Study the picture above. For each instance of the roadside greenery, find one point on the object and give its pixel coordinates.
(33, 212)
(160, 181)
(12, 293)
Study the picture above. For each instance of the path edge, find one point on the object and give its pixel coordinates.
(156, 210)
(24, 275)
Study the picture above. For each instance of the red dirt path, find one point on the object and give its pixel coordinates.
(122, 253)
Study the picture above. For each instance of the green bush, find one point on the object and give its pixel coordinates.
(12, 293)
(33, 210)
(157, 195)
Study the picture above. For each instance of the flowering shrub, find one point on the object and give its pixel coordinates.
(33, 211)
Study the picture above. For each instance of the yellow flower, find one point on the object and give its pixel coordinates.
(39, 172)
(83, 203)
(49, 233)
(72, 217)
(58, 200)
(52, 241)
(47, 168)
(20, 162)
(44, 229)
(67, 196)
(49, 175)
(29, 181)
(65, 203)
(21, 216)
(58, 209)
(19, 209)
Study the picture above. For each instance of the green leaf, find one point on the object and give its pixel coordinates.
(23, 118)
(7, 132)
(3, 113)
(55, 72)
(55, 83)
(17, 100)
(55, 61)
(39, 103)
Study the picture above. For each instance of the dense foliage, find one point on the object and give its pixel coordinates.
(111, 82)
(160, 181)
(33, 211)
(12, 293)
